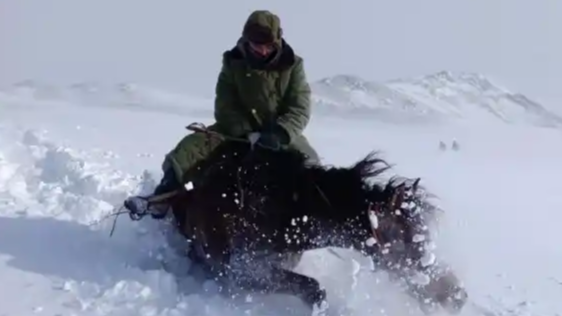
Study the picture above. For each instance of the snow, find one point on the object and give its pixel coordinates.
(66, 163)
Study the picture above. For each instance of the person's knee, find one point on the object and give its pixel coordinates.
(312, 156)
(189, 152)
(185, 154)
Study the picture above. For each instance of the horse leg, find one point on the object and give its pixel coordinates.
(306, 288)
(281, 281)
(291, 260)
(444, 289)
(254, 269)
(198, 268)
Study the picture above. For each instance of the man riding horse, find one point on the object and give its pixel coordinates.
(263, 99)
(262, 95)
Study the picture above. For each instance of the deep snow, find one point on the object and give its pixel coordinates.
(64, 166)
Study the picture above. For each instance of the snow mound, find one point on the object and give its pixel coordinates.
(53, 176)
(442, 96)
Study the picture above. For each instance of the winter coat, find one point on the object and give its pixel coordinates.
(270, 95)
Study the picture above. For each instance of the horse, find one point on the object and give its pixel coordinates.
(253, 211)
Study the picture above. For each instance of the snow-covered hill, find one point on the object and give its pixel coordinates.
(436, 98)
(439, 97)
(64, 167)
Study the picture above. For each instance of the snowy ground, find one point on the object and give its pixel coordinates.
(64, 167)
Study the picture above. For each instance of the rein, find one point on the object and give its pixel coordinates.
(201, 128)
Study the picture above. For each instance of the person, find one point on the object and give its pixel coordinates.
(261, 94)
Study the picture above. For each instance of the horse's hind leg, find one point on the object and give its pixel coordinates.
(288, 282)
(306, 288)
(198, 268)
(291, 260)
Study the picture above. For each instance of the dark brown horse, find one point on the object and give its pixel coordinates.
(254, 211)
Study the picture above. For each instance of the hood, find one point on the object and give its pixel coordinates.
(263, 26)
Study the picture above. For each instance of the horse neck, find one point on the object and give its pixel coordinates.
(335, 205)
(336, 195)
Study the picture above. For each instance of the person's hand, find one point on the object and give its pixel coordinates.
(270, 140)
(253, 138)
(139, 207)
(266, 140)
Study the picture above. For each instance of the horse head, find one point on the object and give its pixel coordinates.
(402, 244)
(397, 226)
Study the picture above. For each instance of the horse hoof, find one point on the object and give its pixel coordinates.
(456, 303)
(320, 309)
(315, 298)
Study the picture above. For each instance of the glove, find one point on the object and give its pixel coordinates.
(266, 140)
(139, 207)
(273, 139)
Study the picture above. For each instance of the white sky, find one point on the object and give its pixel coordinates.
(177, 44)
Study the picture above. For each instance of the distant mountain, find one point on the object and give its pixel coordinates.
(435, 98)
(350, 96)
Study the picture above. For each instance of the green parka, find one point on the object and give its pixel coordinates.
(274, 93)
(255, 96)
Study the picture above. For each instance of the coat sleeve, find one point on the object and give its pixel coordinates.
(297, 104)
(228, 115)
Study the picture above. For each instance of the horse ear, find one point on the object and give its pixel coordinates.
(398, 196)
(389, 189)
(415, 185)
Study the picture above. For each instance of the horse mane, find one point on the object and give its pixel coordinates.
(346, 183)
(287, 172)
(368, 167)
(279, 186)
